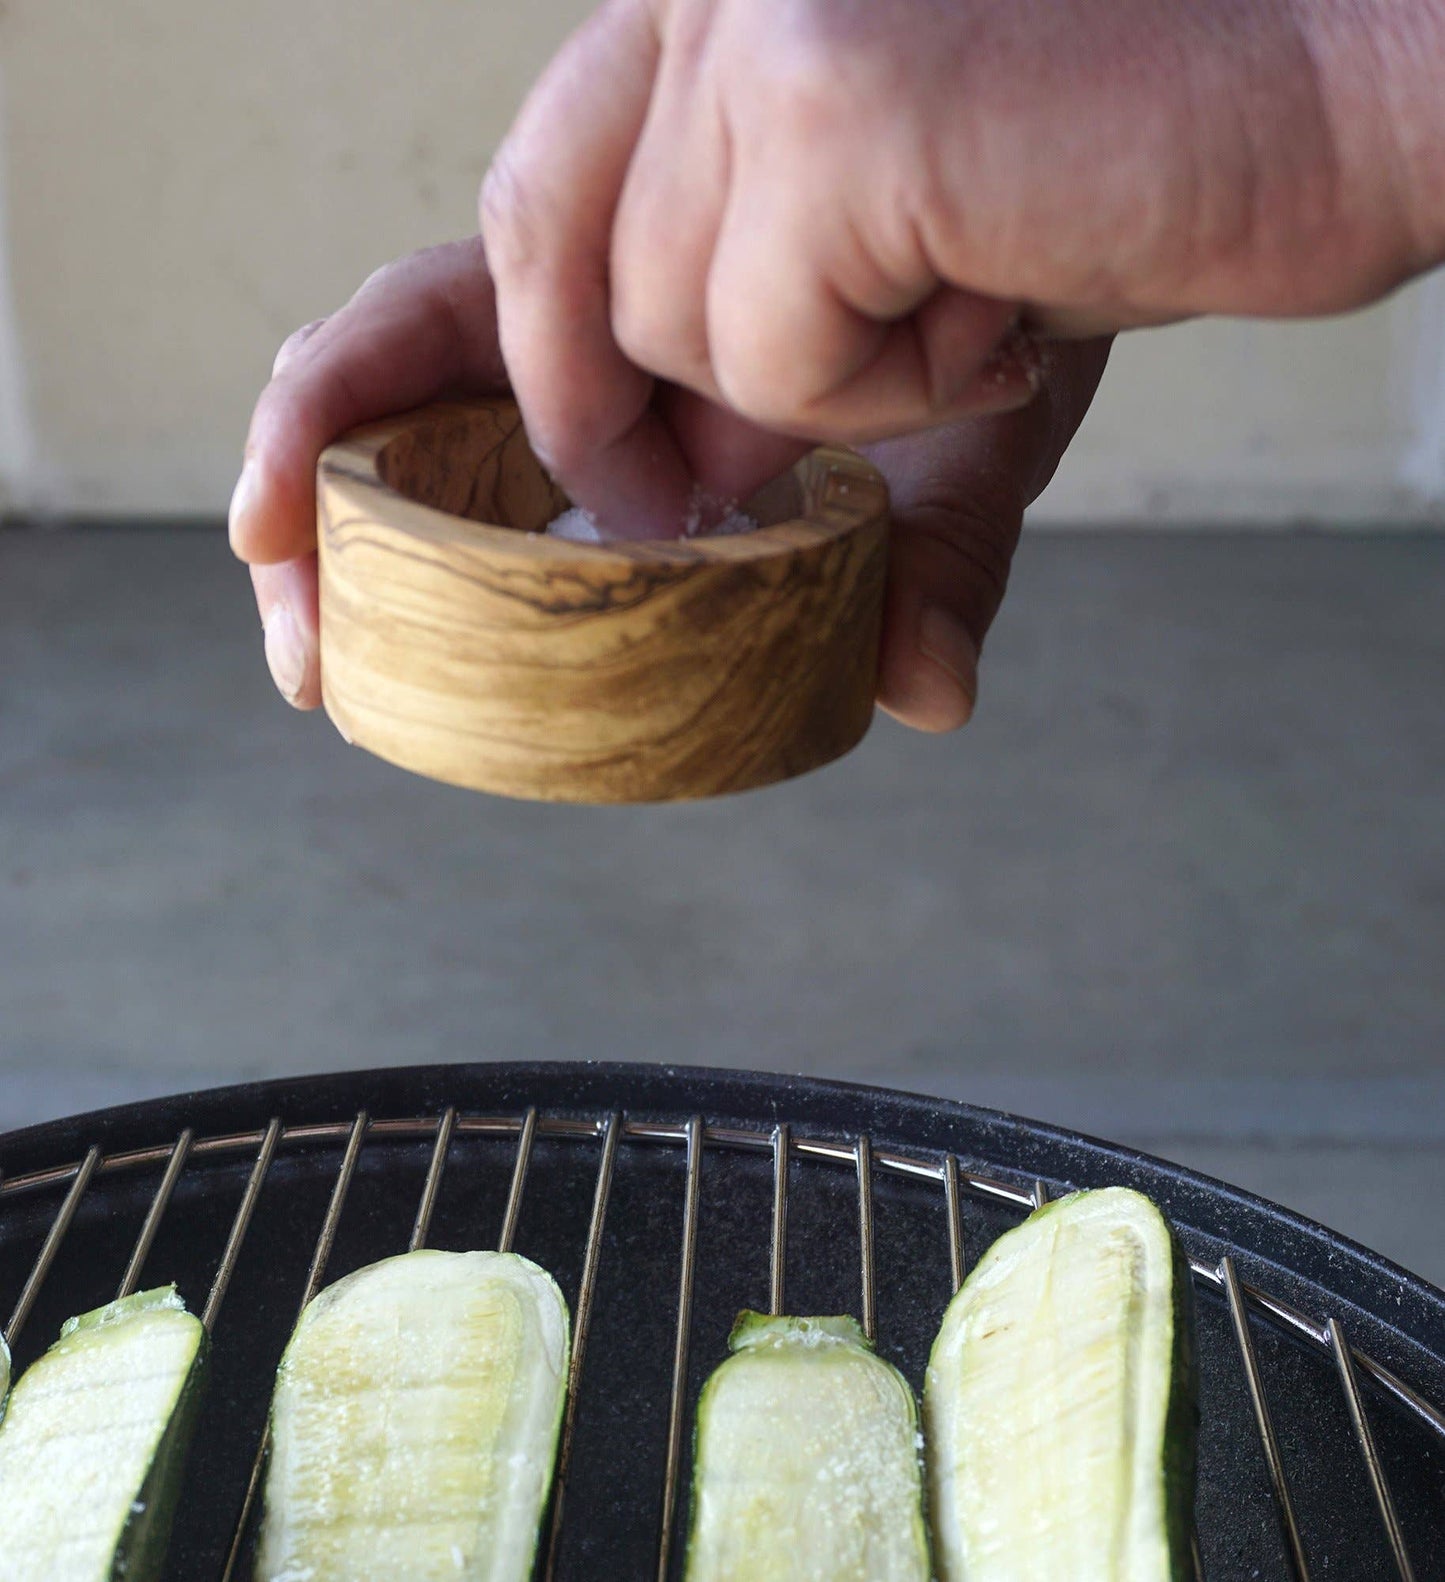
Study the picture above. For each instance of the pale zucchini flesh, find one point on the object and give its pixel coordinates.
(1060, 1403)
(806, 1462)
(93, 1444)
(414, 1425)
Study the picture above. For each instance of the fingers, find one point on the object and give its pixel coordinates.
(286, 596)
(813, 330)
(642, 225)
(546, 211)
(765, 254)
(959, 495)
(728, 457)
(667, 220)
(623, 448)
(417, 330)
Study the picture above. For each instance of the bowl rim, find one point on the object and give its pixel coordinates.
(351, 466)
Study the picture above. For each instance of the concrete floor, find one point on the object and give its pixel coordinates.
(1182, 883)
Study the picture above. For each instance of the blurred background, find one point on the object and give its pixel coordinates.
(1182, 884)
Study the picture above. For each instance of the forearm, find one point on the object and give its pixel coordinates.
(1381, 66)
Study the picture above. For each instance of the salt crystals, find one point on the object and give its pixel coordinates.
(580, 527)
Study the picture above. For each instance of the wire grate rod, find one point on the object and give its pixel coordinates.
(240, 1225)
(446, 1125)
(778, 1240)
(320, 1257)
(611, 1134)
(677, 1408)
(863, 1153)
(1364, 1434)
(59, 1229)
(1284, 1504)
(955, 1221)
(525, 1138)
(130, 1280)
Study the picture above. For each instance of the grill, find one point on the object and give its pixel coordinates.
(664, 1201)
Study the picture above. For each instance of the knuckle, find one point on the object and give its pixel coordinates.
(635, 332)
(293, 344)
(643, 334)
(765, 390)
(810, 84)
(510, 225)
(380, 279)
(750, 394)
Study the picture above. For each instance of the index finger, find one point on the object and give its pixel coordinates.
(547, 212)
(418, 330)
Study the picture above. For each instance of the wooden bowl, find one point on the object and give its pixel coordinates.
(460, 642)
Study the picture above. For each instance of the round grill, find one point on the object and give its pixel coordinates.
(665, 1200)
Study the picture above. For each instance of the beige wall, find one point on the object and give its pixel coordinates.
(183, 183)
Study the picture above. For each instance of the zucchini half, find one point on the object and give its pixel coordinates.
(806, 1463)
(94, 1442)
(414, 1425)
(1060, 1402)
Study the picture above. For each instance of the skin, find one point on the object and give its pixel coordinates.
(722, 229)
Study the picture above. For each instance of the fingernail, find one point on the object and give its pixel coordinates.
(945, 640)
(285, 652)
(243, 499)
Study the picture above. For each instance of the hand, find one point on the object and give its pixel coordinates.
(425, 328)
(828, 214)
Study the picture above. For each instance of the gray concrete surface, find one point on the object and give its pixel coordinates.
(1181, 884)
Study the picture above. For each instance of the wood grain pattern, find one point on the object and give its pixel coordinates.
(459, 642)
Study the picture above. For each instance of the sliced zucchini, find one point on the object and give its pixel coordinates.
(806, 1465)
(1060, 1402)
(94, 1443)
(414, 1425)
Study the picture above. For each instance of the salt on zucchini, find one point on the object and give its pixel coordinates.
(1060, 1404)
(94, 1442)
(806, 1463)
(414, 1424)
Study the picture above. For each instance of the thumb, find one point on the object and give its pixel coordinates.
(948, 569)
(958, 495)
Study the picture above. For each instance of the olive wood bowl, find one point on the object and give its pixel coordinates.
(460, 642)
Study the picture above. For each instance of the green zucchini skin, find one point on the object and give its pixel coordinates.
(806, 1463)
(80, 1503)
(1067, 1355)
(415, 1422)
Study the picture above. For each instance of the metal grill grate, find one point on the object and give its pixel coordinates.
(953, 1180)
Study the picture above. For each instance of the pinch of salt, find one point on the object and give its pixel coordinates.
(580, 528)
(731, 525)
(575, 525)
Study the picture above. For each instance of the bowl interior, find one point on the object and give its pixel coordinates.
(476, 463)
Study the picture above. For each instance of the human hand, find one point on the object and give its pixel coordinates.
(827, 214)
(425, 328)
